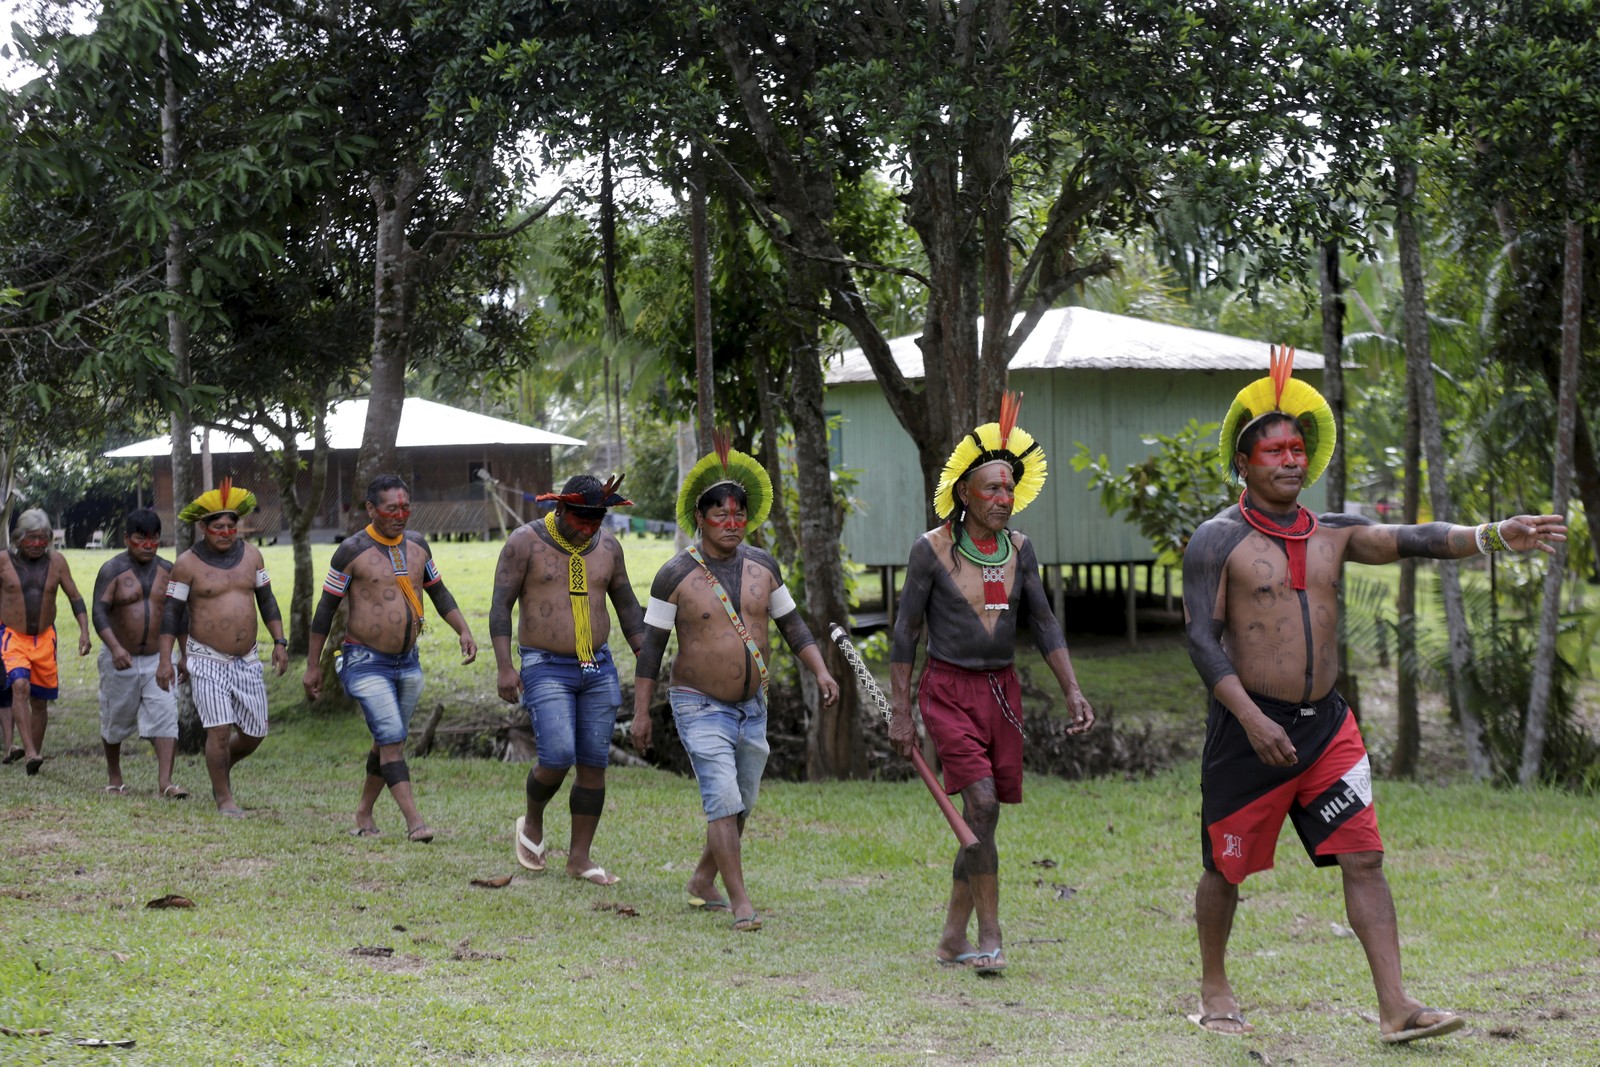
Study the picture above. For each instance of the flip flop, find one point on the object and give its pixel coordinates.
(175, 792)
(598, 872)
(708, 905)
(1204, 1022)
(365, 831)
(1412, 1032)
(996, 964)
(747, 924)
(14, 755)
(117, 790)
(420, 835)
(963, 959)
(529, 854)
(33, 765)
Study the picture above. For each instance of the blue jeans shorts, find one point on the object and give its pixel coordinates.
(386, 686)
(572, 711)
(727, 744)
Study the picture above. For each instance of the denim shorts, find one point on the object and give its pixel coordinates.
(385, 685)
(572, 711)
(727, 744)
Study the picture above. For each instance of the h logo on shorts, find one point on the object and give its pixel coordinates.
(1232, 845)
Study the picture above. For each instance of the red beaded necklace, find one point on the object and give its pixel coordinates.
(1294, 537)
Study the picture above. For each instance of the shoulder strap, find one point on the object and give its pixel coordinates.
(733, 616)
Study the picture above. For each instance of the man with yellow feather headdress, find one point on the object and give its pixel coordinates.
(1260, 602)
(213, 594)
(719, 594)
(972, 579)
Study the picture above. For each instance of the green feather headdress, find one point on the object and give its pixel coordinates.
(726, 464)
(1279, 391)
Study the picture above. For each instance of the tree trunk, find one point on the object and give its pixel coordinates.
(191, 733)
(394, 281)
(1544, 662)
(301, 514)
(1419, 368)
(835, 742)
(700, 252)
(1332, 286)
(1408, 733)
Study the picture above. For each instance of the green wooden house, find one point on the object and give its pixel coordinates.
(1104, 380)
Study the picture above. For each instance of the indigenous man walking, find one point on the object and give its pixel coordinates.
(562, 568)
(378, 666)
(972, 580)
(1260, 583)
(130, 594)
(30, 573)
(720, 594)
(213, 594)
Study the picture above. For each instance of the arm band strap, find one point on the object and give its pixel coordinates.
(1489, 539)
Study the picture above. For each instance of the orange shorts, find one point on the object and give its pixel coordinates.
(32, 658)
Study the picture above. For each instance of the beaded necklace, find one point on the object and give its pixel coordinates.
(993, 561)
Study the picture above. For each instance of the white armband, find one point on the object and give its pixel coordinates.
(780, 603)
(177, 590)
(660, 613)
(261, 578)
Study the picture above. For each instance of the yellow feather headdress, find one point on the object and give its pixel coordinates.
(1279, 391)
(990, 443)
(226, 497)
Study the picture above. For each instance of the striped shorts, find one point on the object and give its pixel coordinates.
(228, 690)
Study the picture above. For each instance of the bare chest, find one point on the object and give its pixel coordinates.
(550, 569)
(702, 602)
(1259, 575)
(129, 588)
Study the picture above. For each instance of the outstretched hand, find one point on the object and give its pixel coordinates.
(1524, 533)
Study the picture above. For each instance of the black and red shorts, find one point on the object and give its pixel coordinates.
(1327, 794)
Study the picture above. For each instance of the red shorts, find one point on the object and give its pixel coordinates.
(966, 715)
(1327, 794)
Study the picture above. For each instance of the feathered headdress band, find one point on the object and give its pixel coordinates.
(1280, 391)
(603, 496)
(225, 498)
(993, 442)
(725, 465)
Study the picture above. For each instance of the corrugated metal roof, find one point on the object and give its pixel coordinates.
(422, 423)
(1081, 338)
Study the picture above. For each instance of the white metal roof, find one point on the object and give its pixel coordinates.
(1075, 338)
(422, 423)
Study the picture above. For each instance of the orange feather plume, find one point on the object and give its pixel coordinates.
(1010, 405)
(1281, 368)
(722, 442)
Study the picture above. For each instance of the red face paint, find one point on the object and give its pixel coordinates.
(394, 511)
(1280, 446)
(579, 525)
(732, 522)
(140, 541)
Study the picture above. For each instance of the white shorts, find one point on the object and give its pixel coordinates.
(131, 701)
(228, 690)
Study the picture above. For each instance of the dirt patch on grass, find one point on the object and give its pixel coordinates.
(36, 840)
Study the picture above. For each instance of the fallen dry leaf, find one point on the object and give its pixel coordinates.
(1063, 892)
(492, 883)
(1044, 863)
(121, 957)
(171, 900)
(372, 950)
(463, 952)
(621, 909)
(37, 1031)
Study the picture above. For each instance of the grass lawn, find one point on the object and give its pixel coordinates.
(1498, 895)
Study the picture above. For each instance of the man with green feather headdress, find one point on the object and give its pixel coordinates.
(1260, 602)
(719, 593)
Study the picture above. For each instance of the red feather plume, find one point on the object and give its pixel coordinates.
(1010, 405)
(226, 487)
(722, 443)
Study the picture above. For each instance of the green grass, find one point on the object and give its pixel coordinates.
(1498, 895)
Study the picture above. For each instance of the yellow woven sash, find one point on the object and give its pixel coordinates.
(402, 572)
(578, 587)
